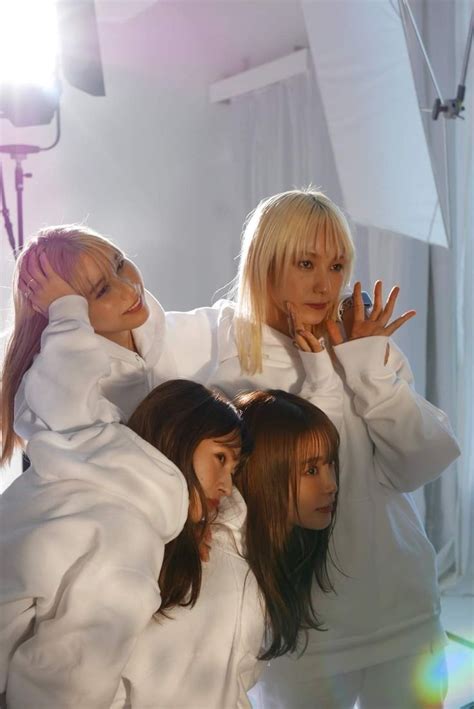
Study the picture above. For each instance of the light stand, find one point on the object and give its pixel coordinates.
(451, 108)
(19, 154)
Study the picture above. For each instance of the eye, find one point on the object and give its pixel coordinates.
(221, 457)
(102, 291)
(338, 267)
(305, 264)
(312, 471)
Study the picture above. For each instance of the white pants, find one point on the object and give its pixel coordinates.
(414, 682)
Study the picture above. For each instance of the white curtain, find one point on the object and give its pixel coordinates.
(450, 363)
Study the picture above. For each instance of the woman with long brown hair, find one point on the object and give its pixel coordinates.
(106, 529)
(290, 486)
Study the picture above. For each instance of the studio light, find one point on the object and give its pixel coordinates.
(29, 85)
(42, 43)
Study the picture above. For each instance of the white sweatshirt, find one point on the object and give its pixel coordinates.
(203, 657)
(392, 442)
(73, 358)
(82, 538)
(60, 391)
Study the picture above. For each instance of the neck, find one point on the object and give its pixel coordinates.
(278, 320)
(124, 339)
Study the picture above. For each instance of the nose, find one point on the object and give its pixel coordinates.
(225, 484)
(321, 281)
(329, 482)
(127, 286)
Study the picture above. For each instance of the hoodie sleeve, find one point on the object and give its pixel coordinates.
(193, 340)
(83, 537)
(413, 440)
(322, 386)
(60, 390)
(76, 657)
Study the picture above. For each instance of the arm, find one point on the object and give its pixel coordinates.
(60, 390)
(322, 386)
(76, 658)
(193, 342)
(89, 552)
(413, 440)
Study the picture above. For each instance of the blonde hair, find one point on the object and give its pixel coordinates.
(63, 245)
(281, 229)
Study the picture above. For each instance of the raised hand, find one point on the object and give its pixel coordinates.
(40, 284)
(303, 338)
(378, 322)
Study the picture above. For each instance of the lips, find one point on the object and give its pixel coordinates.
(136, 306)
(326, 510)
(317, 306)
(212, 504)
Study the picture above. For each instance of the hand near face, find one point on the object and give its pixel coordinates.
(378, 322)
(40, 284)
(302, 336)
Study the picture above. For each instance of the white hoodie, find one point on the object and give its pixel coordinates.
(82, 538)
(203, 657)
(393, 441)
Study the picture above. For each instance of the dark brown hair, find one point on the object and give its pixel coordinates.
(285, 560)
(175, 417)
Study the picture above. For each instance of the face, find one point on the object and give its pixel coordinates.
(215, 461)
(316, 494)
(311, 284)
(116, 302)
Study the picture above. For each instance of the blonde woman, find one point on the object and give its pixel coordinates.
(281, 332)
(382, 619)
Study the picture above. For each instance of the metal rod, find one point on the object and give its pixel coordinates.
(467, 52)
(404, 4)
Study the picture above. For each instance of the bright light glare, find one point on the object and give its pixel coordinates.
(28, 41)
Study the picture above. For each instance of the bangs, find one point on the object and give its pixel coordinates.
(232, 439)
(321, 441)
(104, 256)
(320, 229)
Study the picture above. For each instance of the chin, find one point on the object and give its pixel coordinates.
(315, 317)
(142, 316)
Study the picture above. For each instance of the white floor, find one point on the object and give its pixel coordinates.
(458, 619)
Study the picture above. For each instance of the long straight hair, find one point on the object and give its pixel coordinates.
(175, 417)
(285, 430)
(63, 246)
(281, 230)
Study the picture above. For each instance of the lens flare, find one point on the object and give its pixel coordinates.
(430, 678)
(28, 42)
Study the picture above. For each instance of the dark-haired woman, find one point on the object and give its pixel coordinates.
(83, 535)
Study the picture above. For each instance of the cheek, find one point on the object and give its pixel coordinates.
(309, 494)
(101, 310)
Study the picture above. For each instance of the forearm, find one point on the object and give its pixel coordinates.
(60, 390)
(413, 440)
(323, 386)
